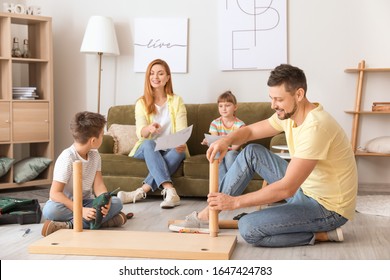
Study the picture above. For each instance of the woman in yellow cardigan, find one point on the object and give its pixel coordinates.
(158, 112)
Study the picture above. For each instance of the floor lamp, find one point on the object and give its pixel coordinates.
(100, 39)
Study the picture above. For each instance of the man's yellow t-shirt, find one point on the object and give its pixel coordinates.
(333, 182)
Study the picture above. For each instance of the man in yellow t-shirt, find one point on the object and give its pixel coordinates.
(319, 183)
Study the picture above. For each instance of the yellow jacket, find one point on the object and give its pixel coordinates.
(177, 113)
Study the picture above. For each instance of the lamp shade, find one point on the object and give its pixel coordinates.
(100, 37)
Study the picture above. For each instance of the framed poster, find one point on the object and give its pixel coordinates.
(165, 38)
(252, 34)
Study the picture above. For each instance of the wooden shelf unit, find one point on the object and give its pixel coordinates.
(26, 126)
(357, 112)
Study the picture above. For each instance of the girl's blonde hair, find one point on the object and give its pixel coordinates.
(227, 96)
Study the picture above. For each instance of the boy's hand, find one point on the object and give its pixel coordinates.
(89, 213)
(104, 209)
(204, 142)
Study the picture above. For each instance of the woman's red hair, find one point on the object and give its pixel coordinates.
(148, 96)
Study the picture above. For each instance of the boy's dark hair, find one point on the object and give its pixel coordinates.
(292, 77)
(227, 96)
(85, 125)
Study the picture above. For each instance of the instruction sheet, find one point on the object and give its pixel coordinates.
(173, 140)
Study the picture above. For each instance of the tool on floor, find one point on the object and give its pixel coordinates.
(27, 231)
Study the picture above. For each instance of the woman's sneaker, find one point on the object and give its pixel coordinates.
(51, 226)
(127, 197)
(171, 199)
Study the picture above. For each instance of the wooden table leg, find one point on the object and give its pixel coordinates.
(213, 187)
(77, 196)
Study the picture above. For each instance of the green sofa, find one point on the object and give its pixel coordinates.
(191, 179)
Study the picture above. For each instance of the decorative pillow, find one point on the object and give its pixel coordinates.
(379, 145)
(124, 138)
(29, 168)
(5, 165)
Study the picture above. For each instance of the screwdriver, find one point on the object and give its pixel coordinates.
(26, 232)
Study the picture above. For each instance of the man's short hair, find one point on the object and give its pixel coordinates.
(290, 76)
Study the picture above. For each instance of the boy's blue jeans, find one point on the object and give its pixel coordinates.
(161, 164)
(59, 212)
(290, 224)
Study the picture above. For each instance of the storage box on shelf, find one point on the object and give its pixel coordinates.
(26, 97)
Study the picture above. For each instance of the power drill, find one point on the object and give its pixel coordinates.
(97, 204)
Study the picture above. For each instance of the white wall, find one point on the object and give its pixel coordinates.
(324, 38)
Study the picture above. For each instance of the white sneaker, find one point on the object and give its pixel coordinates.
(191, 224)
(127, 197)
(336, 235)
(171, 199)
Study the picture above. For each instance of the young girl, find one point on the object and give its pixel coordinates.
(226, 123)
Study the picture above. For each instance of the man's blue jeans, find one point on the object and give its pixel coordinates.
(290, 224)
(226, 163)
(161, 164)
(59, 212)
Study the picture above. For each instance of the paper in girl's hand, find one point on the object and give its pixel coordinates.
(211, 138)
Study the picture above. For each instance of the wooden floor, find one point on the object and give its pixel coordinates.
(367, 237)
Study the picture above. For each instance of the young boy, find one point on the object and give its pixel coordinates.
(225, 124)
(87, 130)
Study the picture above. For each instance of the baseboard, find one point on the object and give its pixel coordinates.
(374, 188)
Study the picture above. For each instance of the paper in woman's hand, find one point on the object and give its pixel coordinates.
(173, 140)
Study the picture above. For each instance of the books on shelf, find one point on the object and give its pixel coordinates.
(25, 93)
(381, 106)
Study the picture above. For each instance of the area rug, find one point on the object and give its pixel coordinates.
(374, 205)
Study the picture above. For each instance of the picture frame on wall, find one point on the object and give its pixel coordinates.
(252, 34)
(163, 38)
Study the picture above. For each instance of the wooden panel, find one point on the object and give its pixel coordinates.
(4, 122)
(30, 121)
(136, 244)
(5, 47)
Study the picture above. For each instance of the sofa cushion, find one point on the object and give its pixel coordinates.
(124, 136)
(121, 114)
(200, 116)
(121, 165)
(196, 167)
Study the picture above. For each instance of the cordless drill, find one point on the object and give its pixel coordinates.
(97, 204)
